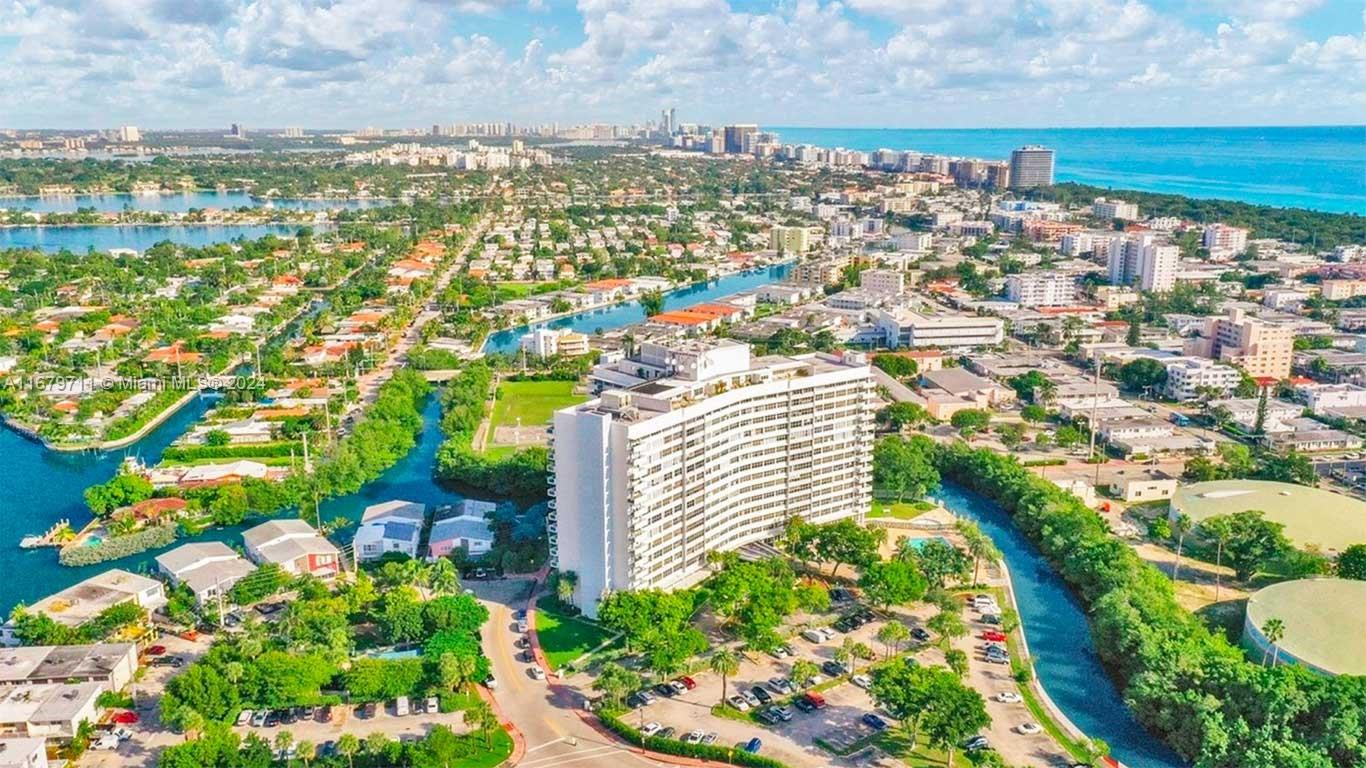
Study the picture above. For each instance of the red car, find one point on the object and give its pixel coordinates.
(126, 718)
(994, 636)
(688, 682)
(155, 650)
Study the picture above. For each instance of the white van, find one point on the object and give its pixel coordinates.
(401, 706)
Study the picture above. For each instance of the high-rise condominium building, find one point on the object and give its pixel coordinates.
(784, 239)
(719, 453)
(735, 137)
(1042, 289)
(1031, 166)
(1141, 261)
(1261, 348)
(1103, 208)
(1221, 237)
(129, 134)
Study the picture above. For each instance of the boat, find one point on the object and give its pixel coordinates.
(31, 541)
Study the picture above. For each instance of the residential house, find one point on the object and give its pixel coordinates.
(469, 529)
(389, 527)
(209, 569)
(293, 545)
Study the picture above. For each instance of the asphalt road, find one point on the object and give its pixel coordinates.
(554, 733)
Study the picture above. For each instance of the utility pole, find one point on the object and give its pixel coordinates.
(1095, 403)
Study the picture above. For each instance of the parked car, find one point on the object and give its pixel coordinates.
(766, 717)
(688, 682)
(991, 618)
(997, 659)
(519, 614)
(258, 718)
(920, 635)
(107, 741)
(749, 698)
(127, 717)
(763, 696)
(522, 625)
(976, 744)
(678, 687)
(753, 746)
(826, 632)
(666, 690)
(863, 681)
(780, 652)
(1028, 729)
(123, 734)
(814, 635)
(738, 702)
(834, 668)
(639, 699)
(781, 685)
(244, 717)
(667, 732)
(783, 713)
(537, 673)
(692, 737)
(994, 636)
(433, 705)
(167, 661)
(816, 700)
(371, 710)
(873, 721)
(1009, 697)
(651, 728)
(289, 716)
(155, 650)
(272, 719)
(709, 738)
(491, 683)
(803, 704)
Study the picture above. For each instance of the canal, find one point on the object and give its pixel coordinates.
(1054, 622)
(179, 202)
(619, 315)
(139, 237)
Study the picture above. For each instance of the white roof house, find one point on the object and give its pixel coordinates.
(53, 710)
(82, 602)
(469, 529)
(391, 526)
(293, 545)
(208, 568)
(27, 752)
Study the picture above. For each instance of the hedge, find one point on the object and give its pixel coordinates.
(730, 755)
(257, 450)
(119, 546)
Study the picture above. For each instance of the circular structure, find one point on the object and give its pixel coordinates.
(1312, 517)
(1324, 628)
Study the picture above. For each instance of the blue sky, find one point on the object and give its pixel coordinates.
(893, 63)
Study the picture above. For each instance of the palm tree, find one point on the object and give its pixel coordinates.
(725, 663)
(1219, 529)
(566, 585)
(892, 635)
(980, 546)
(1181, 526)
(479, 716)
(283, 741)
(847, 653)
(1273, 630)
(307, 751)
(444, 578)
(348, 746)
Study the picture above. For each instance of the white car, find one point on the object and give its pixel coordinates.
(693, 737)
(107, 741)
(863, 681)
(1009, 697)
(537, 673)
(1028, 729)
(813, 635)
(491, 683)
(651, 728)
(826, 632)
(738, 702)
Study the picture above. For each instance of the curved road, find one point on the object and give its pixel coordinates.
(554, 733)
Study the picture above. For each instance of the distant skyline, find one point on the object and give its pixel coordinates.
(865, 63)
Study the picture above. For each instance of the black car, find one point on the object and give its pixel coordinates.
(843, 625)
(803, 704)
(920, 635)
(371, 709)
(766, 717)
(636, 700)
(833, 668)
(666, 690)
(290, 717)
(667, 732)
(762, 695)
(519, 615)
(328, 749)
(168, 661)
(272, 719)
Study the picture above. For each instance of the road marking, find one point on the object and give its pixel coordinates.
(572, 757)
(542, 746)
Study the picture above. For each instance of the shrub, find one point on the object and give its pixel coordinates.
(119, 546)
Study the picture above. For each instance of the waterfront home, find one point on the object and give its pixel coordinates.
(468, 529)
(110, 664)
(209, 569)
(293, 545)
(82, 602)
(389, 527)
(48, 711)
(209, 475)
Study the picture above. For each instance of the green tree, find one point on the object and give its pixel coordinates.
(980, 546)
(949, 625)
(904, 466)
(1273, 630)
(957, 659)
(1142, 374)
(400, 619)
(1181, 526)
(939, 561)
(847, 543)
(899, 416)
(652, 302)
(565, 586)
(123, 490)
(896, 365)
(892, 635)
(1252, 542)
(1011, 435)
(970, 421)
(616, 682)
(1351, 563)
(896, 582)
(348, 746)
(1034, 413)
(804, 670)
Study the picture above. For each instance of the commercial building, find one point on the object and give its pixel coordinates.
(208, 569)
(80, 603)
(1143, 262)
(293, 545)
(1259, 347)
(784, 239)
(1103, 208)
(389, 527)
(1323, 628)
(883, 282)
(129, 134)
(1031, 166)
(1042, 289)
(720, 453)
(905, 327)
(1312, 517)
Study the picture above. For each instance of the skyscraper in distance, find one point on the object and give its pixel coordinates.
(1031, 166)
(735, 137)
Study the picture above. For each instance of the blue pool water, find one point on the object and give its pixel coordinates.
(1318, 167)
(610, 318)
(1054, 622)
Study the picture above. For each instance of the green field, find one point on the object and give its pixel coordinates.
(908, 510)
(530, 403)
(564, 638)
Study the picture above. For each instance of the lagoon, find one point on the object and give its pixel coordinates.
(139, 237)
(180, 202)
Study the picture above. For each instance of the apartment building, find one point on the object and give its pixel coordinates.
(1221, 237)
(1340, 290)
(549, 342)
(1031, 166)
(1041, 289)
(83, 602)
(819, 273)
(905, 327)
(883, 282)
(1103, 208)
(1259, 347)
(1188, 377)
(789, 239)
(718, 454)
(1143, 262)
(23, 752)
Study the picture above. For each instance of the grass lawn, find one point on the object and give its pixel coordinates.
(897, 743)
(501, 750)
(530, 403)
(905, 510)
(565, 638)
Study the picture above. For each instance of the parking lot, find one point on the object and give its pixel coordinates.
(321, 729)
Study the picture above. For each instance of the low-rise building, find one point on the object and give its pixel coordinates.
(293, 545)
(905, 327)
(468, 529)
(48, 710)
(1142, 485)
(391, 527)
(949, 390)
(208, 569)
(112, 665)
(1189, 377)
(23, 752)
(80, 603)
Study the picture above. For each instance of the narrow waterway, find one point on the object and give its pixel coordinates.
(180, 202)
(139, 237)
(1054, 622)
(619, 315)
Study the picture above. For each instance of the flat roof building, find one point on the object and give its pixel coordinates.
(23, 752)
(719, 453)
(1324, 627)
(1031, 166)
(906, 327)
(110, 664)
(1312, 517)
(48, 711)
(82, 602)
